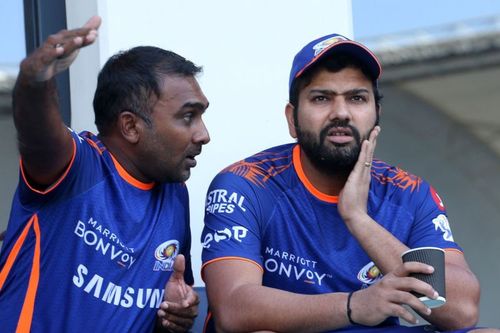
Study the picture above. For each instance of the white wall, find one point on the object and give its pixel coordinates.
(246, 48)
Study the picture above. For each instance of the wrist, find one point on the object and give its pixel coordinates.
(356, 220)
(349, 312)
(27, 86)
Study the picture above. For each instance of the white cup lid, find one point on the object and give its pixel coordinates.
(433, 303)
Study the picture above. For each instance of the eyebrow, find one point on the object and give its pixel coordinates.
(195, 105)
(354, 91)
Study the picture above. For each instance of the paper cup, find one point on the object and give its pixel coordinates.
(434, 257)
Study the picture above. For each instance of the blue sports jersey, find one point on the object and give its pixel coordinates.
(264, 210)
(93, 252)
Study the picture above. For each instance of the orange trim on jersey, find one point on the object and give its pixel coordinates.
(53, 186)
(13, 253)
(229, 258)
(26, 317)
(303, 178)
(451, 249)
(95, 146)
(129, 179)
(207, 320)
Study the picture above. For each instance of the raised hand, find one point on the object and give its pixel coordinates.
(180, 303)
(58, 52)
(353, 197)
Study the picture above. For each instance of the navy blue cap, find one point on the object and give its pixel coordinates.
(328, 46)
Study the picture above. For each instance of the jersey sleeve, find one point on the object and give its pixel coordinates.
(431, 226)
(232, 220)
(80, 174)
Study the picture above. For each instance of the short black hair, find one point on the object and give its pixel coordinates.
(130, 78)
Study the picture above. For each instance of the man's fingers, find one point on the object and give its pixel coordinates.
(402, 312)
(177, 326)
(373, 140)
(193, 297)
(179, 267)
(374, 133)
(368, 148)
(68, 47)
(58, 52)
(408, 283)
(179, 310)
(90, 38)
(366, 154)
(93, 23)
(413, 267)
(70, 40)
(405, 297)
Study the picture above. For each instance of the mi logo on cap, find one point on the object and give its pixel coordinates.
(318, 48)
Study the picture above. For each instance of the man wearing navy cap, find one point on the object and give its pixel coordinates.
(308, 236)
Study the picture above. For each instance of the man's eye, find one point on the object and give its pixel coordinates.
(358, 98)
(188, 117)
(319, 98)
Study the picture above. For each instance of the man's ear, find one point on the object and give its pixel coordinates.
(289, 109)
(129, 126)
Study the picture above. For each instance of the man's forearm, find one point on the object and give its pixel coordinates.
(36, 108)
(381, 246)
(255, 308)
(43, 139)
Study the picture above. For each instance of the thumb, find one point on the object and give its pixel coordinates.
(179, 267)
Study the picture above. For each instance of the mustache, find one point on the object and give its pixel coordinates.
(342, 124)
(195, 151)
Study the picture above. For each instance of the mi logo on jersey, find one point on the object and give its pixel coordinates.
(369, 274)
(441, 223)
(165, 255)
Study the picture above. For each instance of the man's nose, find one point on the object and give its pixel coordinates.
(201, 135)
(339, 110)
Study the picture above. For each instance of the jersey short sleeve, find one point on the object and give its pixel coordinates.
(83, 172)
(232, 220)
(431, 226)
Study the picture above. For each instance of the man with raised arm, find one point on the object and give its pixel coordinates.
(99, 235)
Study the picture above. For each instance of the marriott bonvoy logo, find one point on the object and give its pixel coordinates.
(105, 242)
(293, 267)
